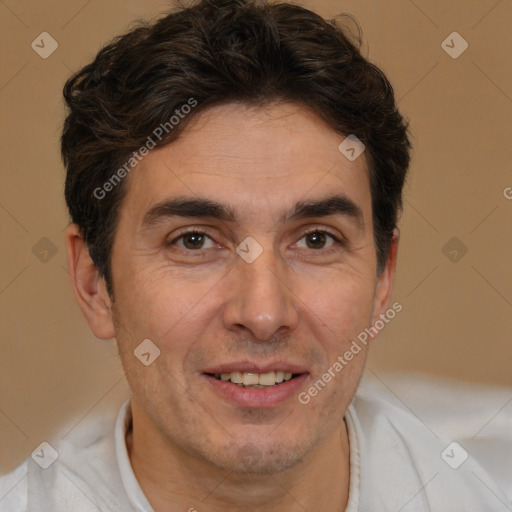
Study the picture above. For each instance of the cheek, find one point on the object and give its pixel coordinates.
(172, 311)
(340, 309)
(342, 303)
(151, 302)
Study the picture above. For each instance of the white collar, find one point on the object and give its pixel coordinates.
(133, 490)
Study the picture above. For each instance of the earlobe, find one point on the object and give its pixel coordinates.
(89, 287)
(386, 280)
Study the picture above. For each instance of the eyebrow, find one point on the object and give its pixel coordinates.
(337, 204)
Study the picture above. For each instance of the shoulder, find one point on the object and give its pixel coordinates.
(77, 471)
(435, 433)
(13, 489)
(456, 408)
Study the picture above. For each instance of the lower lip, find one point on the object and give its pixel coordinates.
(257, 397)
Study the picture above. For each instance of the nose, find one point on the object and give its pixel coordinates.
(260, 298)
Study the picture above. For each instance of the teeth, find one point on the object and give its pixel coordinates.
(235, 377)
(249, 379)
(267, 379)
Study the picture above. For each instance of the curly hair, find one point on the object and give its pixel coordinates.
(220, 51)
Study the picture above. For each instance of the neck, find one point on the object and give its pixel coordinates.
(167, 475)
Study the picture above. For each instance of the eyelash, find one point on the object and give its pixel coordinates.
(195, 231)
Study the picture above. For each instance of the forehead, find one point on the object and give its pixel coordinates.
(256, 160)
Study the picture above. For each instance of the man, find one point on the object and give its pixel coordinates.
(234, 178)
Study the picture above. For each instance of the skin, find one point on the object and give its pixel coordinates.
(301, 301)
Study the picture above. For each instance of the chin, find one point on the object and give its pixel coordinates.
(253, 458)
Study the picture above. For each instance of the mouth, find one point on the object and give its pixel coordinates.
(251, 386)
(255, 380)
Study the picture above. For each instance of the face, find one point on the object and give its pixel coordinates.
(276, 274)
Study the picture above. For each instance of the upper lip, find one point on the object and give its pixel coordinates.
(252, 367)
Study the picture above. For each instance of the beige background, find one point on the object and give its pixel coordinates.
(456, 319)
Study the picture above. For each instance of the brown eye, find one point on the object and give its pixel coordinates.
(193, 240)
(317, 239)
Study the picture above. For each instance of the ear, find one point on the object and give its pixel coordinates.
(386, 280)
(90, 288)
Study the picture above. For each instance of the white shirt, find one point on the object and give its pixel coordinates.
(401, 456)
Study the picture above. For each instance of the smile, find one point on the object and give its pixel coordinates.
(256, 390)
(255, 380)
